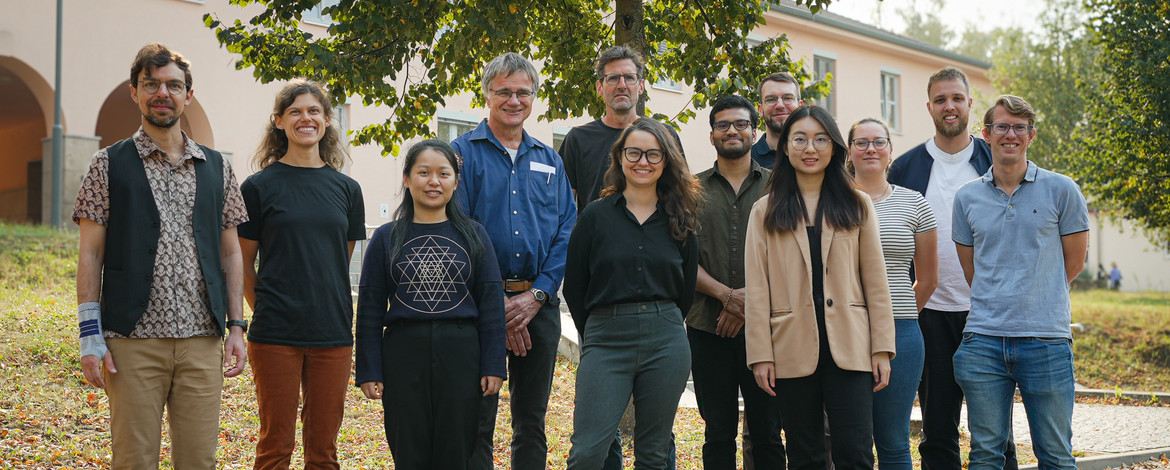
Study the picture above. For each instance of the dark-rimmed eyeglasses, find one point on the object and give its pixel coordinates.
(174, 87)
(879, 143)
(1000, 128)
(740, 124)
(633, 154)
(506, 94)
(819, 143)
(613, 78)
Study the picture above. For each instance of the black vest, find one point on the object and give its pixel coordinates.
(132, 236)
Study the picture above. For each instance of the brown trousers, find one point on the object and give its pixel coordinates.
(283, 374)
(185, 376)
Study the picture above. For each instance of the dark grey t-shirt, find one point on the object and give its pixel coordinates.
(303, 219)
(586, 154)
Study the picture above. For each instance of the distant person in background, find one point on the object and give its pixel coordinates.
(1114, 277)
(304, 217)
(430, 329)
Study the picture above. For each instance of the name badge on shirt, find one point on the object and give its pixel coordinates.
(547, 169)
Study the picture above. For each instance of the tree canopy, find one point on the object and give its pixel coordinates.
(410, 55)
(1125, 161)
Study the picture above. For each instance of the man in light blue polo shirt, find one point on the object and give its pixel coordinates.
(1021, 233)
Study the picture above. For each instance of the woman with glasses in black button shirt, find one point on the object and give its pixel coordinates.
(631, 271)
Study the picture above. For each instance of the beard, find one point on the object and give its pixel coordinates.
(947, 130)
(160, 122)
(773, 127)
(733, 152)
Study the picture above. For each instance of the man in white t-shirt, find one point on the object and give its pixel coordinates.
(936, 169)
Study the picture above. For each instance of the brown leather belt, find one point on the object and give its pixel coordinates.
(513, 286)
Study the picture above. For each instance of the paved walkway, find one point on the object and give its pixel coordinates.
(1097, 429)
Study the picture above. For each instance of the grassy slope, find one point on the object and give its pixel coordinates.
(49, 418)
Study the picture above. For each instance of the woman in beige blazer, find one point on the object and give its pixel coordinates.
(819, 323)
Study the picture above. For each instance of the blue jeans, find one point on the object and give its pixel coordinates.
(989, 368)
(892, 405)
(637, 349)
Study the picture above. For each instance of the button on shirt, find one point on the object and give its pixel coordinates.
(615, 260)
(723, 219)
(1020, 288)
(527, 207)
(178, 305)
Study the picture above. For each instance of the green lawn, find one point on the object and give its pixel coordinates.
(49, 417)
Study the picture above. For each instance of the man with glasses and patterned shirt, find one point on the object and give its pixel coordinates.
(936, 169)
(715, 320)
(516, 187)
(160, 275)
(1021, 233)
(779, 96)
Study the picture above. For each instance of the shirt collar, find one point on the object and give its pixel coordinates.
(483, 132)
(146, 146)
(755, 169)
(1029, 174)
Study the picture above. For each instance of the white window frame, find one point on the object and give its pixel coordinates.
(315, 16)
(462, 123)
(890, 94)
(829, 101)
(559, 133)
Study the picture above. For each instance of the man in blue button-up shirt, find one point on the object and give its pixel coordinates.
(516, 187)
(1021, 233)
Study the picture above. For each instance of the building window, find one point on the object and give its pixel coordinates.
(664, 82)
(341, 119)
(450, 128)
(559, 134)
(316, 15)
(822, 67)
(890, 110)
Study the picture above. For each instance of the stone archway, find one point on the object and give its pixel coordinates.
(120, 117)
(28, 105)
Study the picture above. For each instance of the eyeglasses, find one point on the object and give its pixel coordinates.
(788, 100)
(878, 143)
(819, 143)
(633, 154)
(506, 94)
(723, 126)
(1000, 128)
(613, 78)
(174, 87)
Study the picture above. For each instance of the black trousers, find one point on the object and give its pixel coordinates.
(432, 393)
(847, 397)
(718, 366)
(940, 397)
(529, 383)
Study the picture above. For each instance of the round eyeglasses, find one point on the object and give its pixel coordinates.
(633, 154)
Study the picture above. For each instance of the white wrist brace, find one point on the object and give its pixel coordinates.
(89, 322)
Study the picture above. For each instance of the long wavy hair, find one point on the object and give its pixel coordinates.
(840, 205)
(404, 215)
(678, 190)
(275, 142)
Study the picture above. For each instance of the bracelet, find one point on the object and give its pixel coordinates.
(728, 299)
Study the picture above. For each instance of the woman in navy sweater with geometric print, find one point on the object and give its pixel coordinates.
(430, 321)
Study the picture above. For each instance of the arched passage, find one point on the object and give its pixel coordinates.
(27, 101)
(120, 117)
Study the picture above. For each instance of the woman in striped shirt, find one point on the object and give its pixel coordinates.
(907, 228)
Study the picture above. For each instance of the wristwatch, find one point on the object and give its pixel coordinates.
(240, 323)
(539, 294)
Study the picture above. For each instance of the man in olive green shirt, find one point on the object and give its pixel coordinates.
(715, 320)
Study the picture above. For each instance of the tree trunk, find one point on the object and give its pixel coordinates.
(630, 31)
